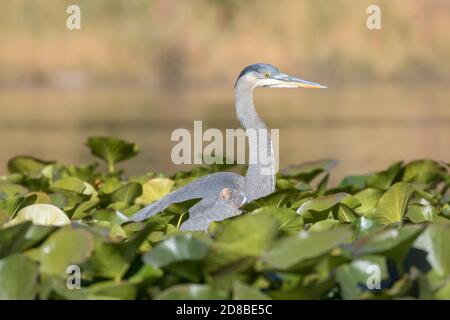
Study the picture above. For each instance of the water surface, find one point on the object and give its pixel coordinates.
(365, 128)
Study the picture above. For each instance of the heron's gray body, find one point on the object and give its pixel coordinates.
(223, 193)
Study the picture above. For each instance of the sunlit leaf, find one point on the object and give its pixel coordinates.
(65, 247)
(434, 240)
(112, 150)
(154, 189)
(306, 245)
(27, 165)
(244, 292)
(424, 171)
(175, 249)
(42, 214)
(361, 275)
(308, 170)
(392, 204)
(245, 236)
(18, 278)
(192, 292)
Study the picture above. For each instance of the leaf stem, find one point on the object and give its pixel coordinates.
(179, 220)
(111, 167)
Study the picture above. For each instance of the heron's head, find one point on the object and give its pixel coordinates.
(266, 75)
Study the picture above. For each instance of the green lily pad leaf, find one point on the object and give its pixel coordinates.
(70, 184)
(85, 172)
(12, 189)
(321, 203)
(392, 204)
(112, 260)
(21, 237)
(418, 214)
(146, 273)
(110, 185)
(27, 165)
(384, 179)
(192, 292)
(444, 292)
(243, 292)
(344, 213)
(361, 275)
(434, 240)
(243, 237)
(42, 214)
(127, 193)
(67, 246)
(42, 197)
(306, 245)
(13, 205)
(122, 290)
(365, 226)
(18, 278)
(369, 200)
(82, 208)
(154, 189)
(353, 183)
(308, 170)
(112, 150)
(289, 221)
(35, 235)
(424, 171)
(12, 238)
(112, 216)
(324, 225)
(183, 247)
(391, 242)
(278, 199)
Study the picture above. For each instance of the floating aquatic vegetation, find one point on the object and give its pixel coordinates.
(377, 236)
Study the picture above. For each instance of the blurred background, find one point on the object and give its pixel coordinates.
(138, 69)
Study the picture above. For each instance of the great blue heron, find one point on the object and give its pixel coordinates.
(223, 193)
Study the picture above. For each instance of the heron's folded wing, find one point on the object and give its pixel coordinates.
(208, 187)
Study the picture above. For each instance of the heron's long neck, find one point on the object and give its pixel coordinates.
(260, 177)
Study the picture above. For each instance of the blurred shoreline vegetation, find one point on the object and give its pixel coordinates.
(188, 44)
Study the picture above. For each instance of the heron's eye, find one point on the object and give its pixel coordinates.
(267, 74)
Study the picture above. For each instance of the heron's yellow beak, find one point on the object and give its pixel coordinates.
(286, 81)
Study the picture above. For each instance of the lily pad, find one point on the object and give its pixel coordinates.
(434, 241)
(306, 245)
(288, 219)
(384, 179)
(154, 189)
(391, 242)
(27, 165)
(127, 193)
(321, 203)
(18, 278)
(369, 200)
(392, 204)
(69, 184)
(243, 237)
(308, 170)
(192, 292)
(424, 171)
(42, 214)
(178, 248)
(65, 247)
(244, 292)
(361, 275)
(112, 150)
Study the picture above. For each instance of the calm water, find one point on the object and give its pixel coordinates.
(365, 128)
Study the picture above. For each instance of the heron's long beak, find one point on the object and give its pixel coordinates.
(285, 81)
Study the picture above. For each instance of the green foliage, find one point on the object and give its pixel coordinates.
(304, 241)
(112, 150)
